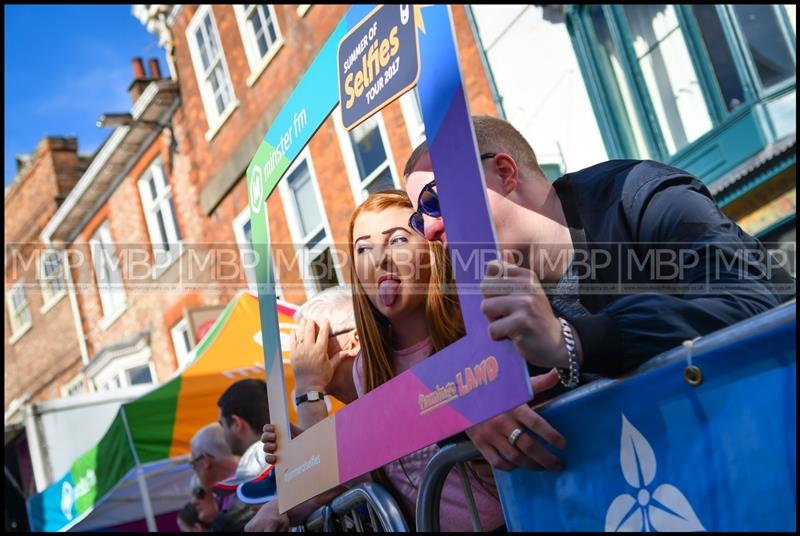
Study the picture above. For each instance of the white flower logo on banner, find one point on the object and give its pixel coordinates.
(665, 510)
(67, 499)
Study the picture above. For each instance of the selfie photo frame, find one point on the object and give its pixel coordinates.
(466, 383)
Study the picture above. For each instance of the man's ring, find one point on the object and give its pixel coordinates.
(512, 438)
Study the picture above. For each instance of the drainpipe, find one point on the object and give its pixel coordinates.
(76, 313)
(498, 101)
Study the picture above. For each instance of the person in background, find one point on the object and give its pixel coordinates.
(322, 365)
(202, 501)
(189, 519)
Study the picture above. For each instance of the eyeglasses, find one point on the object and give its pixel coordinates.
(194, 461)
(428, 204)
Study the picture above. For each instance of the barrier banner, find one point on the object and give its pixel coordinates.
(654, 453)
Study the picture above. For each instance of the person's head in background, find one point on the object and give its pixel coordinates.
(523, 204)
(189, 519)
(211, 457)
(335, 305)
(243, 412)
(400, 280)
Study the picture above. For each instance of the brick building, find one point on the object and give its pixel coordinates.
(124, 225)
(42, 351)
(236, 68)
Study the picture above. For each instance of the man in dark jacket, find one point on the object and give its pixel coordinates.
(636, 254)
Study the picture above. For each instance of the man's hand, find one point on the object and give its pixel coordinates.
(270, 439)
(491, 436)
(312, 368)
(267, 519)
(518, 309)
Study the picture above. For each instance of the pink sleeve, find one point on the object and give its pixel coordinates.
(358, 375)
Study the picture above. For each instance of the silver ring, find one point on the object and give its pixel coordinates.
(512, 438)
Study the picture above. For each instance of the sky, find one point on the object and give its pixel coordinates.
(64, 66)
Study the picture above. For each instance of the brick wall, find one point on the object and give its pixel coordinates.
(259, 104)
(48, 354)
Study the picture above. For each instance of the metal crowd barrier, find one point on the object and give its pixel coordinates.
(430, 488)
(367, 507)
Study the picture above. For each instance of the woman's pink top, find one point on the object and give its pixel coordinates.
(453, 509)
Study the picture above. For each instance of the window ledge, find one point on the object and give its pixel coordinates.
(159, 270)
(18, 334)
(262, 64)
(213, 130)
(106, 321)
(49, 304)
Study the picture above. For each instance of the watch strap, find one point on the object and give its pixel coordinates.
(311, 396)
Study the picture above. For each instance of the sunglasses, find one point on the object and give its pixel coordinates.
(428, 204)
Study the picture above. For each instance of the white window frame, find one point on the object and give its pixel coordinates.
(162, 258)
(348, 154)
(118, 368)
(410, 108)
(177, 334)
(78, 380)
(246, 246)
(18, 328)
(214, 119)
(112, 307)
(49, 297)
(256, 62)
(295, 225)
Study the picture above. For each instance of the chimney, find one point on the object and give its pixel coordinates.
(155, 70)
(140, 80)
(138, 69)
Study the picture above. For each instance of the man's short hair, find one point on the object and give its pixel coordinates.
(332, 304)
(248, 400)
(493, 136)
(210, 439)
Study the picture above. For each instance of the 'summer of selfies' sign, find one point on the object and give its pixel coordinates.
(374, 55)
(378, 61)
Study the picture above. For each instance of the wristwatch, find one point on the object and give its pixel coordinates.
(311, 396)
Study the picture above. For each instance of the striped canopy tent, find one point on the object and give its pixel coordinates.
(137, 475)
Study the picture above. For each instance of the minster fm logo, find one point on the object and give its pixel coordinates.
(667, 509)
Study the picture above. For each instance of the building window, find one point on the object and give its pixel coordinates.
(412, 114)
(367, 156)
(126, 371)
(242, 229)
(159, 210)
(210, 67)
(261, 36)
(182, 342)
(139, 375)
(75, 387)
(51, 277)
(670, 78)
(107, 271)
(719, 55)
(767, 42)
(666, 77)
(19, 312)
(620, 95)
(308, 226)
